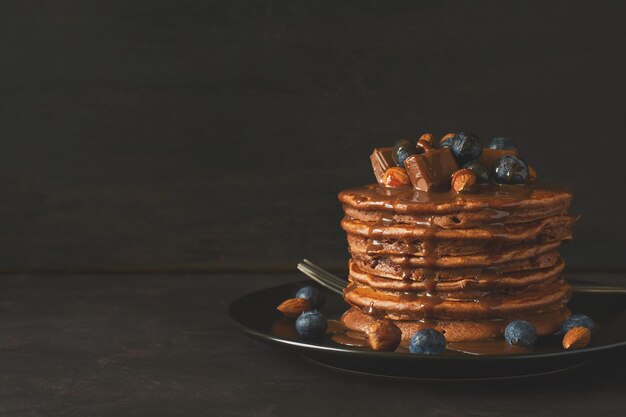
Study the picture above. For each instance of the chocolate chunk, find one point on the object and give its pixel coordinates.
(490, 156)
(381, 161)
(431, 170)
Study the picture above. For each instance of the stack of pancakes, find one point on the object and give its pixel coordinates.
(466, 264)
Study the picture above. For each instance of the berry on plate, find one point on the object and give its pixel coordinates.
(311, 324)
(427, 342)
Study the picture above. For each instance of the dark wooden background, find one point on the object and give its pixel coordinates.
(195, 135)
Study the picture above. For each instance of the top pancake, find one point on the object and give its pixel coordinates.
(487, 204)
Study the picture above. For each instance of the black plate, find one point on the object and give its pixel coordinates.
(256, 315)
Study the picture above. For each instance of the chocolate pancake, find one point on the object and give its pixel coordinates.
(484, 281)
(477, 259)
(382, 238)
(547, 323)
(488, 204)
(383, 267)
(460, 305)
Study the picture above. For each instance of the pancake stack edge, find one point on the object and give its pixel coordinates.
(463, 264)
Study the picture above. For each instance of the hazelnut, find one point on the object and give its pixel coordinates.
(463, 180)
(383, 335)
(428, 137)
(424, 145)
(396, 177)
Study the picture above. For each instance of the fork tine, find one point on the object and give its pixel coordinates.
(317, 278)
(312, 275)
(600, 289)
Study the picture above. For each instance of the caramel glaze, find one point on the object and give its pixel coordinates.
(285, 328)
(483, 347)
(499, 198)
(334, 326)
(376, 232)
(350, 339)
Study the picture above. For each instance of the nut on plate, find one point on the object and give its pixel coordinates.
(463, 180)
(293, 307)
(396, 177)
(427, 137)
(577, 338)
(383, 335)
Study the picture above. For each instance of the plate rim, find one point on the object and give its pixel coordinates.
(450, 379)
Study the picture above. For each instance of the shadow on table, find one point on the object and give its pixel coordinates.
(609, 371)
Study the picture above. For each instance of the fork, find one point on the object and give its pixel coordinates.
(321, 276)
(336, 284)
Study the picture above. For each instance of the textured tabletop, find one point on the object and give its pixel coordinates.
(126, 345)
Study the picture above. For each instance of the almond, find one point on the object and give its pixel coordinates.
(396, 177)
(383, 335)
(293, 307)
(463, 180)
(427, 137)
(425, 145)
(532, 174)
(446, 136)
(577, 338)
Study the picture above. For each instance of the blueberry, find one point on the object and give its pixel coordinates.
(402, 150)
(465, 147)
(311, 324)
(520, 332)
(313, 295)
(427, 342)
(502, 143)
(481, 171)
(577, 320)
(509, 169)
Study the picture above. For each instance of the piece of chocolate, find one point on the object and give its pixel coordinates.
(490, 156)
(431, 170)
(381, 161)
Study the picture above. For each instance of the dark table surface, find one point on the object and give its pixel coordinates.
(147, 344)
